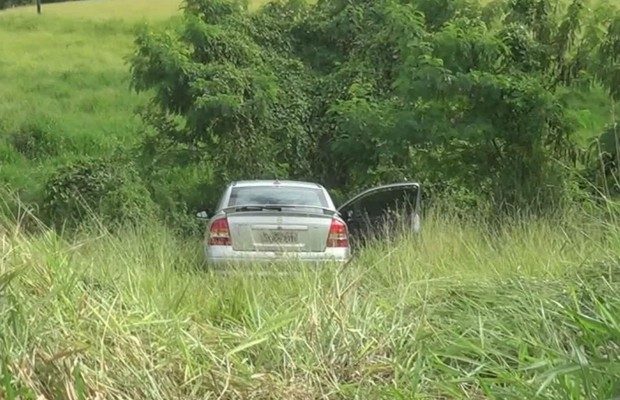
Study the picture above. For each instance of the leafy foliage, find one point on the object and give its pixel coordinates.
(99, 187)
(356, 93)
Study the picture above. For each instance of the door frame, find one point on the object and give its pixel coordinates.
(382, 188)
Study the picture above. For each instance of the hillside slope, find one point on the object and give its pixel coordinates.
(66, 84)
(65, 87)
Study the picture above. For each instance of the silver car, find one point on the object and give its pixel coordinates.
(281, 220)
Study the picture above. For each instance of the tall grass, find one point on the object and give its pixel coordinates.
(525, 309)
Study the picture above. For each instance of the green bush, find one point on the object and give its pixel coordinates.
(609, 147)
(38, 139)
(354, 94)
(181, 191)
(107, 189)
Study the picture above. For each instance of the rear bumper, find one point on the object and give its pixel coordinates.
(226, 254)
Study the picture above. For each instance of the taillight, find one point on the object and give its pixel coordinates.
(219, 233)
(338, 234)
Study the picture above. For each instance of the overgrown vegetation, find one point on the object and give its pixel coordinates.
(349, 94)
(64, 92)
(496, 105)
(527, 309)
(97, 187)
(471, 100)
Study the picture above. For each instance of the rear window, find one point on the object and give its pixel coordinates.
(283, 195)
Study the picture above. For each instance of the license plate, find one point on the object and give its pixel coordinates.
(280, 237)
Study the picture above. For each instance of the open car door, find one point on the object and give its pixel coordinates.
(382, 210)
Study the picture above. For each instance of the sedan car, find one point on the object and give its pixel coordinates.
(279, 220)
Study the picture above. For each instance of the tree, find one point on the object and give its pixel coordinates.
(356, 93)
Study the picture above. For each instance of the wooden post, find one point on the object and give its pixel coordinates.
(38, 6)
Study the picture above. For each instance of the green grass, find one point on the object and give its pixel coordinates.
(65, 73)
(101, 10)
(468, 310)
(69, 66)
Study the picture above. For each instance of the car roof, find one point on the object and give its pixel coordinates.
(275, 183)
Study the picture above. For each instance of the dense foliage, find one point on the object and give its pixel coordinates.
(469, 99)
(98, 187)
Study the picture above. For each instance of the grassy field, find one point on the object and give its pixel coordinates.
(467, 310)
(66, 84)
(101, 10)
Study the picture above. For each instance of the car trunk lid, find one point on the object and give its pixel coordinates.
(279, 231)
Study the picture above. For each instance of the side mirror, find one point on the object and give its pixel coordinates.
(202, 215)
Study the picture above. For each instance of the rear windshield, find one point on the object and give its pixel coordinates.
(282, 195)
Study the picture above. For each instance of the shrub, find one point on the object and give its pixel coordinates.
(107, 189)
(38, 139)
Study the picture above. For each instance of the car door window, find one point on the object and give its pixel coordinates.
(385, 205)
(381, 209)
